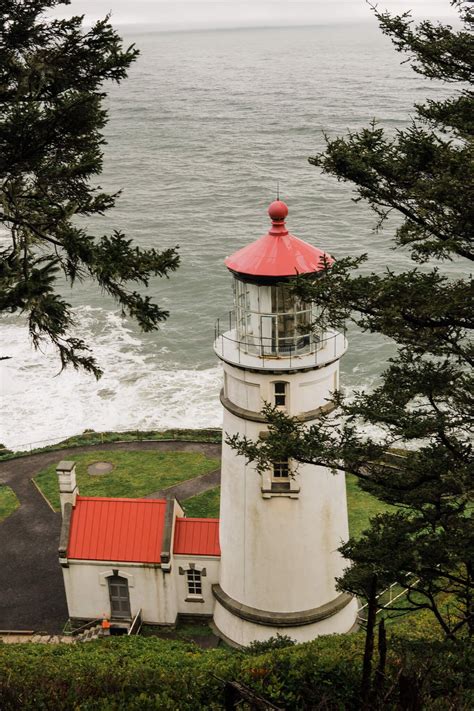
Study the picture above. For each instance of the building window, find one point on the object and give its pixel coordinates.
(281, 476)
(280, 394)
(280, 480)
(281, 470)
(194, 581)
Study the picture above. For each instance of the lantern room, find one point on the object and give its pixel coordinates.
(269, 320)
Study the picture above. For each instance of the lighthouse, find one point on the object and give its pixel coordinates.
(279, 531)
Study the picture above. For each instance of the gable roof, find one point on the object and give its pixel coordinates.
(127, 530)
(197, 536)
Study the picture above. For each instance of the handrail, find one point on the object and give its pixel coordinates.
(137, 620)
(242, 349)
(391, 600)
(77, 630)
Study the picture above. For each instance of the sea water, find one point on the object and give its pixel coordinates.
(198, 136)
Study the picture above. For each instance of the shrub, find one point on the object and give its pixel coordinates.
(279, 642)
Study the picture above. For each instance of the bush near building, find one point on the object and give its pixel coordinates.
(138, 673)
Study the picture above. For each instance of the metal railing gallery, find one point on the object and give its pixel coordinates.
(269, 349)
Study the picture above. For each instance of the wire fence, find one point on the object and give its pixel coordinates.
(92, 437)
(391, 598)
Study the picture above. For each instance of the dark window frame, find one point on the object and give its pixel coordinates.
(280, 393)
(194, 581)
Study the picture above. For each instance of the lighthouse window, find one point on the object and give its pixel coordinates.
(280, 394)
(194, 581)
(281, 469)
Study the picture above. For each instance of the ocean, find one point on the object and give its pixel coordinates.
(199, 135)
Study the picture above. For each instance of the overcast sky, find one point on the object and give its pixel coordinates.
(190, 14)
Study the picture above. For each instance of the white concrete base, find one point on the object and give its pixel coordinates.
(241, 633)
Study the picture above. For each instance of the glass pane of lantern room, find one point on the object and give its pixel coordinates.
(282, 299)
(268, 335)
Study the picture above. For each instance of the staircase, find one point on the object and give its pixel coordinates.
(86, 635)
(38, 638)
(89, 634)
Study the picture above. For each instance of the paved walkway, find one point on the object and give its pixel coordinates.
(31, 585)
(191, 487)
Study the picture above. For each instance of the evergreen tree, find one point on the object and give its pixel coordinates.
(51, 121)
(423, 402)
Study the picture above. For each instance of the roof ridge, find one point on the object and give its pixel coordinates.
(119, 498)
(194, 519)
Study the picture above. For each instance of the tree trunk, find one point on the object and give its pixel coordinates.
(369, 643)
(380, 673)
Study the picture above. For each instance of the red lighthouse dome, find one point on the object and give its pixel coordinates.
(278, 253)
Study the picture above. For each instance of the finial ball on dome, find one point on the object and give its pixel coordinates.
(278, 210)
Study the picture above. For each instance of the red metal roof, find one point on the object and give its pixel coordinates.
(197, 536)
(278, 253)
(128, 530)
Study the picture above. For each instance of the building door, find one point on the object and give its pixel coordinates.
(119, 596)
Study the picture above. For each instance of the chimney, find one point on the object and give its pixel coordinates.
(66, 472)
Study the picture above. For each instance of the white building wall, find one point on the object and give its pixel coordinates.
(242, 632)
(307, 391)
(187, 605)
(279, 553)
(150, 590)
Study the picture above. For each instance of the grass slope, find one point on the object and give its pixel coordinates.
(136, 474)
(205, 505)
(8, 502)
(361, 506)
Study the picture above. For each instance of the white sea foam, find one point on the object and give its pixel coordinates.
(135, 392)
(199, 172)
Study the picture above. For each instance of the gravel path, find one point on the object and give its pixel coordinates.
(31, 585)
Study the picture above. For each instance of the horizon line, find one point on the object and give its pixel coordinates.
(157, 27)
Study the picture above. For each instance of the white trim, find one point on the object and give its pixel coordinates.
(184, 556)
(116, 564)
(109, 573)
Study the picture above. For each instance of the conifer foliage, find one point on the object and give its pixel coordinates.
(51, 120)
(423, 401)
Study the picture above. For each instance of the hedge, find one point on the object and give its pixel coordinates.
(150, 673)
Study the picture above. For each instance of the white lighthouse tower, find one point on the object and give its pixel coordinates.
(279, 531)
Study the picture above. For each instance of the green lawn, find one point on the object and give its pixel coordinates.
(204, 505)
(8, 501)
(362, 506)
(135, 474)
(140, 473)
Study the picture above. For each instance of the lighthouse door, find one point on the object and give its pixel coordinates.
(119, 596)
(268, 335)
